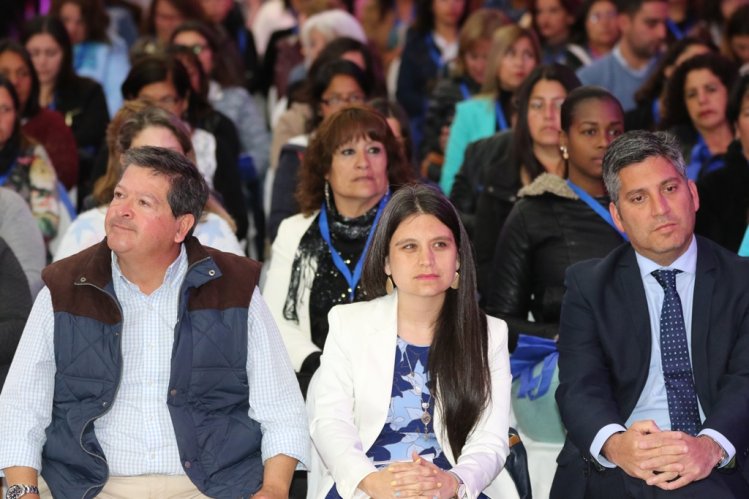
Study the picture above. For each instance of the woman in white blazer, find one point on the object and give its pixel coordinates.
(413, 392)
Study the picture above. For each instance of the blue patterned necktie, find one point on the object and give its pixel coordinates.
(677, 369)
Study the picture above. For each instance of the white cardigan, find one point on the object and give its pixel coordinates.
(349, 398)
(296, 337)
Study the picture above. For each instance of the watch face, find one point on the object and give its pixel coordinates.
(18, 491)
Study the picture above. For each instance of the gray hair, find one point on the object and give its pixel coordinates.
(332, 24)
(188, 191)
(635, 147)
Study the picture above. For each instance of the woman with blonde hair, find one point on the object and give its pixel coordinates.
(466, 78)
(140, 123)
(513, 55)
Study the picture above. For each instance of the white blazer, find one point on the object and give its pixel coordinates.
(349, 398)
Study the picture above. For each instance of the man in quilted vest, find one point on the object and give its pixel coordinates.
(150, 365)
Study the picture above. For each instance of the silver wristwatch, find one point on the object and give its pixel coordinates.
(19, 490)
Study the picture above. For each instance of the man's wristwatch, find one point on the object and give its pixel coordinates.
(19, 490)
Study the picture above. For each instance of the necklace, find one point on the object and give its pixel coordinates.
(425, 418)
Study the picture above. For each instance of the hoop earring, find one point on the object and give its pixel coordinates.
(456, 281)
(389, 285)
(565, 154)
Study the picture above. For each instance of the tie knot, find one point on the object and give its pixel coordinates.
(666, 278)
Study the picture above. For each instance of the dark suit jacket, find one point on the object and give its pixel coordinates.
(605, 345)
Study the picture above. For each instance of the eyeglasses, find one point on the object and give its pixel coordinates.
(339, 100)
(597, 17)
(196, 49)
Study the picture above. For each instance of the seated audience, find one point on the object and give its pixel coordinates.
(335, 85)
(495, 168)
(467, 75)
(352, 164)
(556, 222)
(390, 415)
(80, 100)
(724, 194)
(654, 344)
(431, 45)
(137, 124)
(596, 30)
(695, 109)
(513, 55)
(648, 113)
(165, 81)
(150, 365)
(642, 24)
(553, 21)
(25, 166)
(225, 91)
(98, 53)
(43, 125)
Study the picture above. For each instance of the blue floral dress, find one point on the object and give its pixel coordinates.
(409, 426)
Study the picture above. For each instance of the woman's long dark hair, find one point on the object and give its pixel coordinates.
(54, 28)
(459, 356)
(31, 108)
(523, 156)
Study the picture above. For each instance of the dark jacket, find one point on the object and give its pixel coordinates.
(15, 305)
(441, 110)
(724, 200)
(481, 161)
(488, 163)
(84, 107)
(283, 204)
(417, 77)
(227, 181)
(219, 445)
(549, 229)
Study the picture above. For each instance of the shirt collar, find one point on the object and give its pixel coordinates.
(686, 262)
(617, 53)
(173, 275)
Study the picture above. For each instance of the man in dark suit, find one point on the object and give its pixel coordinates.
(654, 345)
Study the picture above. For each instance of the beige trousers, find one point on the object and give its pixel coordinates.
(142, 487)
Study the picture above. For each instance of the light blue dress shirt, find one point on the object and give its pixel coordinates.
(653, 401)
(137, 433)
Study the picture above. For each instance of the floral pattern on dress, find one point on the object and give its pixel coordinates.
(404, 432)
(34, 178)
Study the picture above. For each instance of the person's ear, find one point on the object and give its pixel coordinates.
(184, 224)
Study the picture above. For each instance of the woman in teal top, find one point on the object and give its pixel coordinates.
(514, 54)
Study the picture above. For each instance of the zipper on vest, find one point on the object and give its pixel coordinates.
(117, 388)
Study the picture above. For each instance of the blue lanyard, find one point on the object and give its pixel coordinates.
(501, 120)
(434, 53)
(656, 110)
(744, 248)
(676, 30)
(5, 176)
(351, 279)
(595, 206)
(464, 90)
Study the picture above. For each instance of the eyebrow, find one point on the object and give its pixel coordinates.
(413, 240)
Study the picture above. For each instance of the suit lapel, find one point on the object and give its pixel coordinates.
(704, 286)
(631, 284)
